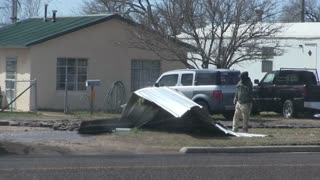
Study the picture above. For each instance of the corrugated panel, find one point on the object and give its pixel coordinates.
(172, 101)
(35, 30)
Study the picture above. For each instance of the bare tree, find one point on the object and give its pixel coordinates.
(5, 11)
(26, 9)
(222, 32)
(233, 33)
(291, 11)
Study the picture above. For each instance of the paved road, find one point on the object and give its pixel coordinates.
(244, 166)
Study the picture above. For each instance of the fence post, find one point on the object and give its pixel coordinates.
(66, 94)
(35, 95)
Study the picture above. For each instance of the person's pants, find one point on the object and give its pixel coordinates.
(242, 111)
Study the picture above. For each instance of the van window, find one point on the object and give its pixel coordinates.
(206, 79)
(186, 79)
(229, 78)
(168, 80)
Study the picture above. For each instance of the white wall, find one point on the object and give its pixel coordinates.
(295, 55)
(23, 74)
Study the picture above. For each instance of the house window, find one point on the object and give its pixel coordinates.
(144, 73)
(76, 71)
(266, 66)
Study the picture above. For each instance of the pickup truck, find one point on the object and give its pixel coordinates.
(287, 91)
(213, 89)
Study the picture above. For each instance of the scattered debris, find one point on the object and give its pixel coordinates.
(160, 108)
(101, 126)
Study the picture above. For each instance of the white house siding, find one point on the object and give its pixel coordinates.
(295, 55)
(23, 73)
(109, 59)
(295, 39)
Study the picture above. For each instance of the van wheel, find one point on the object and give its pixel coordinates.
(204, 105)
(288, 110)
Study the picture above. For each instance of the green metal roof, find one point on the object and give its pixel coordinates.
(35, 30)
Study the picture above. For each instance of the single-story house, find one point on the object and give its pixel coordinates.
(80, 48)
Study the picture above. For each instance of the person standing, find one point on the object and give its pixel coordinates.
(243, 102)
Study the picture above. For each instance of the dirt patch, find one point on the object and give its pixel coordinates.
(92, 144)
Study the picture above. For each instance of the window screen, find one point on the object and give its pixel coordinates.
(266, 66)
(75, 69)
(144, 73)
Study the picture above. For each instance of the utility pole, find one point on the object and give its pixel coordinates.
(14, 17)
(303, 7)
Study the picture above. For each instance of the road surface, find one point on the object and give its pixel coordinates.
(284, 166)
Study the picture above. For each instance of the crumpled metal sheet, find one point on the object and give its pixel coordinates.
(168, 108)
(156, 107)
(170, 100)
(164, 109)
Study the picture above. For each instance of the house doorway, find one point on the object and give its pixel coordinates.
(11, 72)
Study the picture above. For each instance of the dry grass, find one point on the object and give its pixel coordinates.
(302, 136)
(49, 115)
(141, 141)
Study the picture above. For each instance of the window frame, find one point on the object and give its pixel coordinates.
(65, 66)
(168, 75)
(266, 65)
(192, 79)
(269, 74)
(141, 66)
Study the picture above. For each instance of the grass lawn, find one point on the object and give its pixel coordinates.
(292, 136)
(277, 136)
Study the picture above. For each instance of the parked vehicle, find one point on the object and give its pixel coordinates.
(287, 91)
(213, 89)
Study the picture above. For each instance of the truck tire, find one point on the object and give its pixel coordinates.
(204, 105)
(288, 109)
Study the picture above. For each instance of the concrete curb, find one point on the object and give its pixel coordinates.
(250, 149)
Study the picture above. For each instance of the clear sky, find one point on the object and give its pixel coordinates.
(65, 7)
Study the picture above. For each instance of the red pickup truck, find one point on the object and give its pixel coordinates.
(287, 91)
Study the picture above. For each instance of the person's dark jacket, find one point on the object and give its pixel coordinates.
(244, 91)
